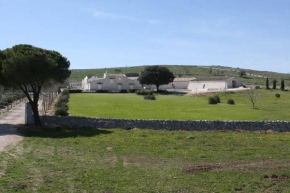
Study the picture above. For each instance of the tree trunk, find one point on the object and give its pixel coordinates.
(34, 107)
(157, 87)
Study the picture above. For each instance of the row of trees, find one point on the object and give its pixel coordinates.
(30, 69)
(282, 85)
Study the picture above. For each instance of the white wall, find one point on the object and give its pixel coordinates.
(206, 85)
(113, 83)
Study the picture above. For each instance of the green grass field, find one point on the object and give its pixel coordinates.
(132, 106)
(91, 160)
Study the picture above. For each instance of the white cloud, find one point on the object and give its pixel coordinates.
(114, 16)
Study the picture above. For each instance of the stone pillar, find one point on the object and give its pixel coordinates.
(29, 119)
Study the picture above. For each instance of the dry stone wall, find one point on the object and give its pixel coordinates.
(107, 123)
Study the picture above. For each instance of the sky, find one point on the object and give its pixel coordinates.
(253, 34)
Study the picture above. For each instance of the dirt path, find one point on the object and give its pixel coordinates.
(9, 137)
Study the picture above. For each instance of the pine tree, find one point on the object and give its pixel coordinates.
(274, 83)
(282, 85)
(267, 83)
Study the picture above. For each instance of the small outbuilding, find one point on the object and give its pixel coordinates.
(199, 85)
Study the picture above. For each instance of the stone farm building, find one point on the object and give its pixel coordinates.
(199, 85)
(129, 81)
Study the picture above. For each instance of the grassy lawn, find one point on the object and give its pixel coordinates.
(132, 106)
(91, 160)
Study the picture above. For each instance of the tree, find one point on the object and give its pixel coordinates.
(274, 83)
(210, 70)
(282, 85)
(253, 95)
(156, 75)
(242, 73)
(277, 95)
(30, 69)
(267, 83)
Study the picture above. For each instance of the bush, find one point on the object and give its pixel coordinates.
(217, 98)
(59, 105)
(75, 91)
(102, 91)
(63, 99)
(212, 101)
(133, 90)
(123, 91)
(231, 102)
(144, 92)
(149, 97)
(65, 92)
(61, 112)
(163, 92)
(190, 137)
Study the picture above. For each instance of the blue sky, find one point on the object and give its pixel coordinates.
(251, 34)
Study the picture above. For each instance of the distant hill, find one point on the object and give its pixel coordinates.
(254, 77)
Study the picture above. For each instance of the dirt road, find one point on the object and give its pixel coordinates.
(8, 127)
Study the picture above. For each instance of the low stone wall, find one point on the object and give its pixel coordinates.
(280, 126)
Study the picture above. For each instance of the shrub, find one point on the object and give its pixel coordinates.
(231, 102)
(102, 91)
(75, 91)
(217, 98)
(163, 92)
(63, 99)
(277, 95)
(212, 101)
(190, 137)
(65, 92)
(133, 90)
(61, 112)
(59, 105)
(149, 97)
(123, 91)
(144, 92)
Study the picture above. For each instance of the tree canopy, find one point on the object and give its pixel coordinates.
(30, 68)
(242, 73)
(156, 75)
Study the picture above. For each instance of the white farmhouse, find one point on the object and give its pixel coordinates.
(128, 81)
(213, 84)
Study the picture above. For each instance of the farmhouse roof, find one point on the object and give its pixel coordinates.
(132, 75)
(116, 75)
(183, 79)
(212, 79)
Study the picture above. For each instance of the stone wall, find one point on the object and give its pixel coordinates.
(280, 126)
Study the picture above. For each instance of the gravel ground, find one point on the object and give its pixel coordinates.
(9, 123)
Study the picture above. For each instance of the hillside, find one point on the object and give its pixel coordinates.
(253, 76)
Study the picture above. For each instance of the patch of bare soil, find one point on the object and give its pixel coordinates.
(241, 166)
(151, 161)
(202, 168)
(112, 160)
(274, 179)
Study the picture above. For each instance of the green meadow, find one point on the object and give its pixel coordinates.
(181, 107)
(91, 160)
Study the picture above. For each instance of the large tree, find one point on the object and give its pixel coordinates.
(156, 75)
(242, 73)
(282, 85)
(274, 83)
(30, 69)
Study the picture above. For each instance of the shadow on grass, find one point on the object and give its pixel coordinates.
(60, 132)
